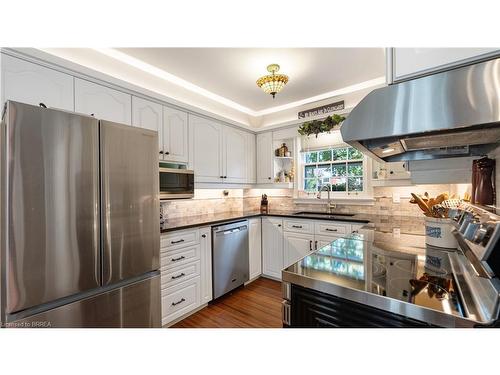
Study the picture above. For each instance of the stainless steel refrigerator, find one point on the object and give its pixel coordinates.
(80, 221)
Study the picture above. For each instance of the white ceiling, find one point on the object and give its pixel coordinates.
(220, 82)
(231, 72)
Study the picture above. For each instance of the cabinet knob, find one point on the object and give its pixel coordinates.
(225, 176)
(167, 153)
(269, 178)
(221, 176)
(92, 114)
(161, 152)
(279, 225)
(204, 235)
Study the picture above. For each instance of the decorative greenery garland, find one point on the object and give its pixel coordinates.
(317, 126)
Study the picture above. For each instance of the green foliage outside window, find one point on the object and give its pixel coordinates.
(341, 169)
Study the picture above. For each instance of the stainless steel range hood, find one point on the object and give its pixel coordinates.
(450, 114)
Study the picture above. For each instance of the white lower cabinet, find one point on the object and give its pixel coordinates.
(272, 247)
(255, 248)
(206, 261)
(322, 241)
(296, 246)
(186, 272)
(180, 299)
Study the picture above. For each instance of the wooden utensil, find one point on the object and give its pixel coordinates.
(421, 203)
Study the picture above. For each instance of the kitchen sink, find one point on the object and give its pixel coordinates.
(313, 213)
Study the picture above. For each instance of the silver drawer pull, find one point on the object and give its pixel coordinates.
(297, 226)
(177, 259)
(331, 230)
(178, 302)
(180, 275)
(174, 242)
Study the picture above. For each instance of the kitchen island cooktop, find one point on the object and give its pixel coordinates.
(415, 282)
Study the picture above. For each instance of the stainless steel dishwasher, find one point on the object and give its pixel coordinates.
(229, 256)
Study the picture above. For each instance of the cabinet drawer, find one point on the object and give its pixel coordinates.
(172, 259)
(332, 229)
(298, 226)
(174, 276)
(180, 299)
(179, 239)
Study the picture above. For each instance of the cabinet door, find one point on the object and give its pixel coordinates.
(175, 135)
(206, 264)
(322, 241)
(235, 155)
(272, 247)
(251, 159)
(148, 115)
(296, 246)
(411, 62)
(205, 149)
(265, 172)
(255, 248)
(104, 103)
(33, 84)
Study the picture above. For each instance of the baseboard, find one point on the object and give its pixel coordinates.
(175, 321)
(271, 277)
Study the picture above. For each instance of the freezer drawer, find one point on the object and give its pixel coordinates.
(136, 305)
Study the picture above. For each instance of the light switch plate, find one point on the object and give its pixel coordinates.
(396, 232)
(396, 198)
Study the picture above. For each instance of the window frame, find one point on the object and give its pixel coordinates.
(365, 193)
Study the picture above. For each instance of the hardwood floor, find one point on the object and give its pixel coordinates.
(257, 305)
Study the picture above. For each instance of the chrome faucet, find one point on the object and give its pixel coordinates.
(329, 206)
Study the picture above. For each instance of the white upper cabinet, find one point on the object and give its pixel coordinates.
(265, 158)
(234, 155)
(217, 153)
(102, 102)
(205, 149)
(175, 135)
(148, 115)
(411, 62)
(251, 159)
(33, 84)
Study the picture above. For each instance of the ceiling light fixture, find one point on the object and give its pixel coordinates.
(272, 83)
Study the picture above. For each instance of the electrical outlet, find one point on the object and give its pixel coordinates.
(396, 198)
(396, 232)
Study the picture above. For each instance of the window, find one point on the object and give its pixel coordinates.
(339, 168)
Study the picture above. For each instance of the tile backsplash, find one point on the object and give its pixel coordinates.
(210, 201)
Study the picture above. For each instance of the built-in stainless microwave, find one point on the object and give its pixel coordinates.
(176, 183)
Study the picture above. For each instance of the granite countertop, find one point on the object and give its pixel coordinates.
(383, 224)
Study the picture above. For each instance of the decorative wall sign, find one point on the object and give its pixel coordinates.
(328, 108)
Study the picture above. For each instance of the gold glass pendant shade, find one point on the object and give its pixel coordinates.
(272, 83)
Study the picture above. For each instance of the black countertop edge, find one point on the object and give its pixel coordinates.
(357, 218)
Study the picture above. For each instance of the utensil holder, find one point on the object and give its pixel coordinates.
(438, 233)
